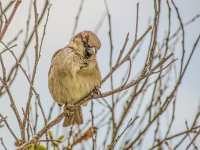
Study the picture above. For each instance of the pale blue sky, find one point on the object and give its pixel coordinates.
(59, 31)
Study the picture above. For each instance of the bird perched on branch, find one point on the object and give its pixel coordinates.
(74, 73)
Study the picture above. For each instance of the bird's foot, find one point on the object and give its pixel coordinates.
(96, 92)
(69, 107)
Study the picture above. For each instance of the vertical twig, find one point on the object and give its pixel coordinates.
(17, 3)
(77, 17)
(136, 24)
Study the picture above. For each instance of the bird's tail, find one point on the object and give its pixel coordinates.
(72, 116)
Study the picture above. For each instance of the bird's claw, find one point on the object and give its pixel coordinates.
(96, 91)
(68, 106)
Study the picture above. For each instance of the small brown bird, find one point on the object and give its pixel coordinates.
(74, 73)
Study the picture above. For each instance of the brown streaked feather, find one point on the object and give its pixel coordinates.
(72, 76)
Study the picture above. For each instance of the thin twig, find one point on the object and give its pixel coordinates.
(17, 3)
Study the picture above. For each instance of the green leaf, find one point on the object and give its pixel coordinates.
(61, 138)
(50, 134)
(36, 147)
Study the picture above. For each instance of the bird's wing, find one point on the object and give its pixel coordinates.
(68, 61)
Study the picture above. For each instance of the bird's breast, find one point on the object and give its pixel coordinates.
(70, 89)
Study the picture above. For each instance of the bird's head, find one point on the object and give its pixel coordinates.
(85, 43)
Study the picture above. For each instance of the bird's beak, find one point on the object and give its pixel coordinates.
(92, 51)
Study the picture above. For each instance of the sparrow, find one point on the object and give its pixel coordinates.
(74, 73)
